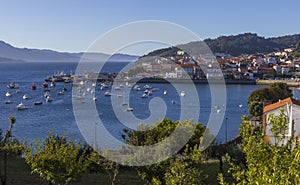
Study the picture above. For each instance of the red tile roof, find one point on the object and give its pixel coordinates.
(281, 103)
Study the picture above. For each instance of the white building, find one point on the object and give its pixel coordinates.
(291, 109)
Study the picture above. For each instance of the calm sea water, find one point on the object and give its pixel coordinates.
(57, 116)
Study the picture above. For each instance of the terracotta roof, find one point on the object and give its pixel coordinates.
(281, 103)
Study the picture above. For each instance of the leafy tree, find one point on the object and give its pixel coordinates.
(57, 160)
(111, 168)
(274, 92)
(178, 169)
(266, 163)
(8, 146)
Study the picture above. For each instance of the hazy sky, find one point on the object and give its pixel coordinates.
(72, 25)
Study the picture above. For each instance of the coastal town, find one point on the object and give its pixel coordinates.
(277, 65)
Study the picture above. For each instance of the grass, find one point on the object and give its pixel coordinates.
(19, 174)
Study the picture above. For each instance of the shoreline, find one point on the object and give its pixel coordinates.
(268, 82)
(179, 81)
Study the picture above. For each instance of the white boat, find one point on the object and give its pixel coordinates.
(94, 98)
(12, 85)
(21, 106)
(107, 93)
(137, 88)
(218, 111)
(8, 94)
(119, 95)
(52, 84)
(25, 97)
(165, 92)
(240, 105)
(129, 109)
(147, 86)
(144, 95)
(182, 93)
(8, 102)
(93, 84)
(48, 99)
(60, 92)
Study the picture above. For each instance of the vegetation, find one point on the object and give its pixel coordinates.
(247, 43)
(57, 160)
(183, 168)
(8, 147)
(273, 93)
(267, 163)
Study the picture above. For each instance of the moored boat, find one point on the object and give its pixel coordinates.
(38, 103)
(8, 94)
(21, 106)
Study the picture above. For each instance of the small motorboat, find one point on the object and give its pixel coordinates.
(8, 94)
(107, 93)
(129, 109)
(12, 85)
(67, 81)
(240, 105)
(33, 87)
(60, 92)
(94, 98)
(52, 84)
(8, 102)
(165, 92)
(147, 86)
(21, 106)
(38, 103)
(144, 95)
(48, 99)
(182, 93)
(45, 85)
(25, 97)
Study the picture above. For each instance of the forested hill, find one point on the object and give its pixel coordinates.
(247, 43)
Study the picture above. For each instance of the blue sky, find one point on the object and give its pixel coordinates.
(72, 26)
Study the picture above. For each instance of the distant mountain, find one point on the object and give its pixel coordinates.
(11, 53)
(247, 43)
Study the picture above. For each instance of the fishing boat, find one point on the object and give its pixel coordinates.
(21, 106)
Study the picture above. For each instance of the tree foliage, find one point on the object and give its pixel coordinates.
(8, 146)
(57, 160)
(182, 168)
(273, 93)
(267, 163)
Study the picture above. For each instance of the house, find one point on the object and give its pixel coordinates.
(291, 109)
